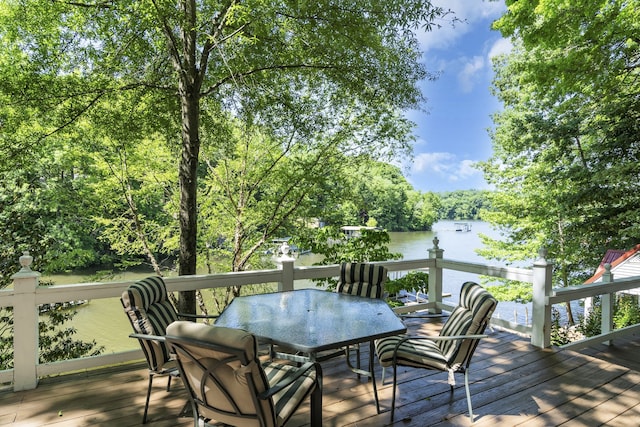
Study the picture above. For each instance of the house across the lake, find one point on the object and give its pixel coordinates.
(350, 231)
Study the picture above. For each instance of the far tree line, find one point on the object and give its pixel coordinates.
(116, 214)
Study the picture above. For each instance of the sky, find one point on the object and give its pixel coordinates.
(452, 131)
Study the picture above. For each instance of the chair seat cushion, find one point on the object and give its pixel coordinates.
(413, 352)
(287, 400)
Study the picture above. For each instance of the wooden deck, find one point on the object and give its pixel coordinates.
(512, 383)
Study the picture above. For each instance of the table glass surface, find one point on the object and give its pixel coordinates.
(311, 320)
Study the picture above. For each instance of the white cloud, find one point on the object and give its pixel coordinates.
(466, 169)
(499, 47)
(432, 162)
(470, 72)
(442, 171)
(444, 165)
(468, 11)
(474, 67)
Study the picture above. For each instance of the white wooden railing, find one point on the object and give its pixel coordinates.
(26, 296)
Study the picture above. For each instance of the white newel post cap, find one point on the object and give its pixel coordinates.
(25, 271)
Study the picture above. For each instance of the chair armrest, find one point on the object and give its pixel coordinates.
(434, 338)
(188, 316)
(290, 378)
(147, 337)
(444, 338)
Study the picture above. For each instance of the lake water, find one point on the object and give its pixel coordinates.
(459, 246)
(104, 321)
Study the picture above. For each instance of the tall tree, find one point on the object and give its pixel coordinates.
(65, 58)
(566, 145)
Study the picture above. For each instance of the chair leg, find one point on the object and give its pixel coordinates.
(393, 395)
(466, 387)
(373, 375)
(196, 416)
(146, 405)
(316, 402)
(348, 355)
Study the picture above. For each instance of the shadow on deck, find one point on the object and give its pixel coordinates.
(512, 383)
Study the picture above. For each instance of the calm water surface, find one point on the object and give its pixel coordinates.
(103, 320)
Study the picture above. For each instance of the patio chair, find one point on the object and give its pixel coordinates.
(227, 382)
(451, 350)
(362, 279)
(149, 311)
(365, 280)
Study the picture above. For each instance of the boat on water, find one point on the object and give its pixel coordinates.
(463, 226)
(276, 247)
(67, 305)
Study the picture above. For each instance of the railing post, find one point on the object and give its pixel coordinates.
(285, 263)
(434, 293)
(606, 302)
(287, 275)
(542, 285)
(25, 326)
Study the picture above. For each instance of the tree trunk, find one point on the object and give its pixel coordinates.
(188, 192)
(189, 92)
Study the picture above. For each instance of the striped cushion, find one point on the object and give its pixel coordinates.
(362, 279)
(417, 353)
(147, 304)
(470, 317)
(287, 400)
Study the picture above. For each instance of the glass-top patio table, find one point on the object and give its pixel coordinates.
(312, 321)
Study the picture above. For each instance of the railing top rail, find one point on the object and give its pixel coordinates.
(511, 273)
(96, 290)
(570, 293)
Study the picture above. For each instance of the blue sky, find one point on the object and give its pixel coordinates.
(452, 133)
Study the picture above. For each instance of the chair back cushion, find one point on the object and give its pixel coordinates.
(149, 310)
(219, 366)
(362, 279)
(470, 317)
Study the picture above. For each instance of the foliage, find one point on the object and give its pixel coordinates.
(377, 193)
(136, 182)
(56, 342)
(300, 72)
(565, 146)
(411, 280)
(6, 338)
(513, 291)
(260, 188)
(591, 324)
(42, 210)
(626, 312)
(560, 334)
(463, 204)
(369, 246)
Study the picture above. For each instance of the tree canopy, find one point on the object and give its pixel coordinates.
(566, 145)
(463, 204)
(93, 75)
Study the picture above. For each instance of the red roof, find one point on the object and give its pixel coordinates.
(614, 257)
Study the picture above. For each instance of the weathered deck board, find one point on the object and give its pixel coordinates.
(512, 383)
